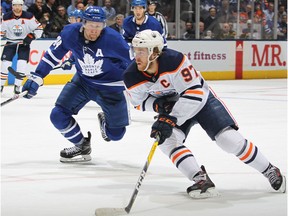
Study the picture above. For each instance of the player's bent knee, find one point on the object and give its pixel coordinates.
(115, 134)
(59, 118)
(230, 140)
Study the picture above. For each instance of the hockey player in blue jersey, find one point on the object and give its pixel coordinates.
(99, 65)
(140, 21)
(154, 80)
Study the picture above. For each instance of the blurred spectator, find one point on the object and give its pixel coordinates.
(118, 25)
(224, 13)
(75, 16)
(80, 6)
(36, 9)
(89, 3)
(109, 11)
(226, 33)
(71, 8)
(28, 3)
(1, 14)
(281, 12)
(208, 35)
(246, 32)
(6, 6)
(282, 28)
(47, 29)
(50, 8)
(152, 11)
(189, 33)
(60, 20)
(211, 22)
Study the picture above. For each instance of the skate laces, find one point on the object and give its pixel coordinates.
(272, 174)
(72, 150)
(201, 177)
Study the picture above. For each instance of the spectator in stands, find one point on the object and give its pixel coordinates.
(246, 32)
(6, 6)
(109, 11)
(60, 19)
(281, 12)
(118, 25)
(208, 35)
(47, 33)
(211, 22)
(152, 11)
(89, 3)
(189, 33)
(50, 8)
(29, 3)
(226, 33)
(71, 8)
(36, 9)
(282, 28)
(224, 14)
(80, 6)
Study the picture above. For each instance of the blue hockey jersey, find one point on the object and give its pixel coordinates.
(99, 63)
(131, 28)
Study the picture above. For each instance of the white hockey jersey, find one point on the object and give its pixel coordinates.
(15, 29)
(175, 75)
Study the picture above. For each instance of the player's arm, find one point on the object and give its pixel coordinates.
(51, 58)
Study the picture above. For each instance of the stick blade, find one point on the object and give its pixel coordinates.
(110, 211)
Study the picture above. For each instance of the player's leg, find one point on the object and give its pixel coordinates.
(115, 116)
(71, 99)
(6, 61)
(185, 162)
(218, 123)
(23, 58)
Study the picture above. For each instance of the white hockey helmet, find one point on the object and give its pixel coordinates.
(17, 2)
(148, 39)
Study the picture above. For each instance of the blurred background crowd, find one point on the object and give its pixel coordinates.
(186, 19)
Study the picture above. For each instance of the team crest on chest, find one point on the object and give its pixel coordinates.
(90, 66)
(17, 30)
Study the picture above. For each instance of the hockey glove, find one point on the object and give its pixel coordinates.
(28, 39)
(32, 85)
(163, 126)
(164, 105)
(67, 64)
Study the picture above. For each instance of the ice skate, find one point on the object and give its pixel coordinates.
(80, 153)
(204, 187)
(276, 179)
(102, 123)
(17, 89)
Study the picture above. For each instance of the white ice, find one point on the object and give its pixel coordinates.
(35, 183)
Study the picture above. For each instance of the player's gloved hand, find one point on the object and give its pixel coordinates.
(28, 39)
(163, 126)
(67, 64)
(164, 105)
(32, 85)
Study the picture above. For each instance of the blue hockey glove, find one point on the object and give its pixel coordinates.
(32, 85)
(67, 64)
(163, 126)
(28, 39)
(164, 105)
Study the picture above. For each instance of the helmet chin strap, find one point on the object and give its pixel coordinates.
(149, 62)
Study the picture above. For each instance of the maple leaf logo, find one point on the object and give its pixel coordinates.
(90, 67)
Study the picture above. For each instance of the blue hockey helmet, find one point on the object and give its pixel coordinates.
(142, 3)
(95, 14)
(76, 13)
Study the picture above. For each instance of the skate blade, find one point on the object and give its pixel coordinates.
(282, 189)
(211, 192)
(77, 159)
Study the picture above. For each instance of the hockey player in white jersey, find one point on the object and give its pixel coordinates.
(164, 81)
(20, 28)
(99, 64)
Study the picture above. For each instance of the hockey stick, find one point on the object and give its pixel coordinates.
(10, 44)
(127, 209)
(18, 75)
(16, 96)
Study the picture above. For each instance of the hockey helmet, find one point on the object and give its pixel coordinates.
(148, 39)
(95, 14)
(139, 3)
(17, 2)
(76, 14)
